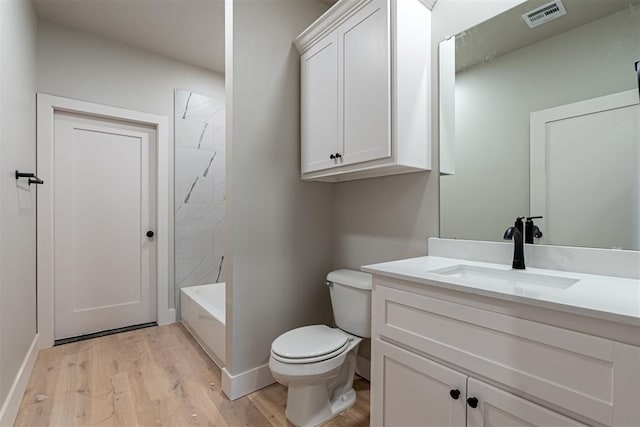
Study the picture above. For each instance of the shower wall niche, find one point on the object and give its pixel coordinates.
(199, 190)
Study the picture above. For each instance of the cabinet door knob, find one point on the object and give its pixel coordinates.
(473, 402)
(455, 394)
(332, 157)
(150, 233)
(338, 155)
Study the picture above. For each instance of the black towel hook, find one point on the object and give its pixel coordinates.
(638, 73)
(33, 179)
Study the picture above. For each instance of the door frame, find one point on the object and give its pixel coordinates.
(47, 105)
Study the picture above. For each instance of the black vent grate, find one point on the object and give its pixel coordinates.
(544, 14)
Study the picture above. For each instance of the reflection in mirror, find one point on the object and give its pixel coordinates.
(544, 121)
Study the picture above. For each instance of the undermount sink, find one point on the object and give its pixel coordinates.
(492, 277)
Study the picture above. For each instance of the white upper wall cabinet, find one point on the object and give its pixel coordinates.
(365, 87)
(319, 100)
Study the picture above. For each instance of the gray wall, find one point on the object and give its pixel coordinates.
(78, 65)
(279, 242)
(17, 200)
(390, 218)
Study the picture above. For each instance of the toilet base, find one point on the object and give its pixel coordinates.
(318, 391)
(310, 405)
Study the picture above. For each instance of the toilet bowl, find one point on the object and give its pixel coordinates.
(317, 362)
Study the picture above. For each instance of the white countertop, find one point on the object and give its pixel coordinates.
(604, 297)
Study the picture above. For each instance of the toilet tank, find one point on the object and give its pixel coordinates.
(351, 300)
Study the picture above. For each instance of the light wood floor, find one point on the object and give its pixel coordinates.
(150, 377)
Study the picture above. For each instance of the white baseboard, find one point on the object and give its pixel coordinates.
(236, 386)
(12, 403)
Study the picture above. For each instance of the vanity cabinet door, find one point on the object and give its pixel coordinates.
(409, 390)
(319, 97)
(365, 84)
(493, 407)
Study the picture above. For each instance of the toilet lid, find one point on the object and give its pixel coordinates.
(309, 342)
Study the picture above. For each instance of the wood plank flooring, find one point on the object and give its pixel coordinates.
(150, 377)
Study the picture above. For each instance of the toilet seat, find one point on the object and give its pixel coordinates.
(327, 356)
(309, 344)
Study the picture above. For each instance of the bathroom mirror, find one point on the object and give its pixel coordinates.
(540, 115)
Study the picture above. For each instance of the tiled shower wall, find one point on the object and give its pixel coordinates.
(199, 190)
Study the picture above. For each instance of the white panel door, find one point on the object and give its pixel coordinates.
(497, 408)
(365, 84)
(413, 391)
(319, 95)
(104, 204)
(585, 172)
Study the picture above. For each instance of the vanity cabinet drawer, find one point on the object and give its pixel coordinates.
(583, 374)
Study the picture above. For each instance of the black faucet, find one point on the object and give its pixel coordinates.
(531, 230)
(515, 233)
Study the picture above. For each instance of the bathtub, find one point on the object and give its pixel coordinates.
(203, 309)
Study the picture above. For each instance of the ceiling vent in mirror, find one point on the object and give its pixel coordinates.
(544, 14)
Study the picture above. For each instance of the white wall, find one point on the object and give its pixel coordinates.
(493, 105)
(390, 218)
(17, 200)
(77, 65)
(279, 243)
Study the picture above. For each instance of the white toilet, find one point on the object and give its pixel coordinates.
(318, 362)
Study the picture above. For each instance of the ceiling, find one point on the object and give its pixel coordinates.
(190, 31)
(508, 32)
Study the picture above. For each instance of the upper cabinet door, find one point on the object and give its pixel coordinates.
(497, 408)
(365, 84)
(319, 87)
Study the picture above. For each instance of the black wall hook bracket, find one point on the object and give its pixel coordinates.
(638, 73)
(33, 179)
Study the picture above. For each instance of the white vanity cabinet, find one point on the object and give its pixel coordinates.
(421, 392)
(410, 390)
(447, 358)
(496, 407)
(365, 86)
